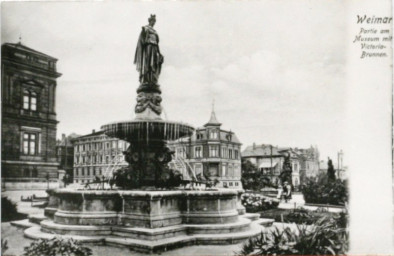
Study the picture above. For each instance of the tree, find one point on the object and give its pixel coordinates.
(251, 177)
(330, 171)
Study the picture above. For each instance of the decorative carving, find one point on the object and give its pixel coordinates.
(148, 100)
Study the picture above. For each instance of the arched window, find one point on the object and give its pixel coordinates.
(29, 100)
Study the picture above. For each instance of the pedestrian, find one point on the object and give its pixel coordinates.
(280, 192)
(287, 191)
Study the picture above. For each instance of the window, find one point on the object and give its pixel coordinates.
(230, 153)
(83, 172)
(224, 152)
(200, 136)
(213, 134)
(29, 143)
(107, 145)
(114, 144)
(120, 144)
(76, 172)
(225, 184)
(198, 152)
(88, 173)
(29, 100)
(236, 184)
(35, 172)
(224, 171)
(231, 184)
(236, 154)
(213, 151)
(107, 159)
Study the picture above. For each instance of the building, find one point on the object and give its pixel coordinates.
(65, 153)
(29, 122)
(269, 161)
(210, 153)
(97, 155)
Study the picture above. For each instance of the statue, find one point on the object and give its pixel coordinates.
(147, 55)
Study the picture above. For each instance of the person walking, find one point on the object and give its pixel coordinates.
(287, 191)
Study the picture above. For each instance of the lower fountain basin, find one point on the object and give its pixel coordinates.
(147, 220)
(148, 209)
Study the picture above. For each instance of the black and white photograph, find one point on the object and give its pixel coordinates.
(195, 128)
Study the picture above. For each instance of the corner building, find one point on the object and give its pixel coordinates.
(28, 148)
(97, 155)
(210, 152)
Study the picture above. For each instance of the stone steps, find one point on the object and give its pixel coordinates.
(252, 216)
(163, 244)
(265, 222)
(25, 223)
(37, 218)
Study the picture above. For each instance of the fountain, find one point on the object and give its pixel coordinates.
(146, 212)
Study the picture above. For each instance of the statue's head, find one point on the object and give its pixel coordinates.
(152, 19)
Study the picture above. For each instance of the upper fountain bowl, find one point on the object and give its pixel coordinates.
(147, 130)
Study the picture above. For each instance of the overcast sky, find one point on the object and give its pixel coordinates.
(274, 68)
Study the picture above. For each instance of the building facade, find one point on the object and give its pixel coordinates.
(211, 153)
(269, 161)
(97, 155)
(65, 153)
(29, 122)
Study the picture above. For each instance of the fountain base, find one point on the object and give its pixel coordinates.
(149, 221)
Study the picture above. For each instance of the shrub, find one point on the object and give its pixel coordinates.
(323, 191)
(9, 211)
(324, 237)
(258, 203)
(56, 247)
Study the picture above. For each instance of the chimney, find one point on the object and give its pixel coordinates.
(93, 131)
(254, 145)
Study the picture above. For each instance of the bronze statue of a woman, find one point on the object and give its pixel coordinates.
(147, 56)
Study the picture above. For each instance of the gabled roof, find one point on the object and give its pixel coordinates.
(27, 49)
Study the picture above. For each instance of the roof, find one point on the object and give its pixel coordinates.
(213, 121)
(224, 136)
(260, 150)
(91, 135)
(266, 163)
(27, 49)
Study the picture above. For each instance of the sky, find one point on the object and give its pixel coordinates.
(275, 69)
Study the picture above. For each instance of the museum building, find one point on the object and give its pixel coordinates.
(211, 153)
(29, 122)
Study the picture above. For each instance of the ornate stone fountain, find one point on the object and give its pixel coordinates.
(140, 215)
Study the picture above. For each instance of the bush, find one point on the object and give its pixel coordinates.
(56, 247)
(324, 237)
(258, 203)
(323, 191)
(9, 211)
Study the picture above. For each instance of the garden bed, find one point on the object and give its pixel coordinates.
(298, 216)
